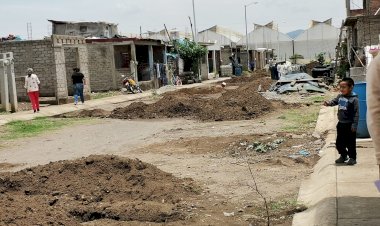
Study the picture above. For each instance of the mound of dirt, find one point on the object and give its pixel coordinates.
(243, 103)
(202, 90)
(92, 188)
(95, 113)
(207, 104)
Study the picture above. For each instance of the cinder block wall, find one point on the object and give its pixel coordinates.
(101, 64)
(36, 54)
(368, 30)
(225, 56)
(373, 6)
(71, 55)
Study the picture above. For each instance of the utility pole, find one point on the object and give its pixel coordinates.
(246, 32)
(246, 36)
(192, 31)
(195, 24)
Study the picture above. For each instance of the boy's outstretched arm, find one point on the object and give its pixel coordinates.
(332, 103)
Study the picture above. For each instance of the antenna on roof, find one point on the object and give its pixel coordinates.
(29, 30)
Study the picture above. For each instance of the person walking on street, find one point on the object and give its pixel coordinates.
(373, 104)
(32, 87)
(78, 82)
(348, 115)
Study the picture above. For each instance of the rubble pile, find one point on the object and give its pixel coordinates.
(299, 82)
(260, 147)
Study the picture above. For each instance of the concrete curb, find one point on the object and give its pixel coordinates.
(67, 108)
(319, 191)
(340, 195)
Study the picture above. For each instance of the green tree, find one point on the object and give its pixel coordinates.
(191, 53)
(321, 58)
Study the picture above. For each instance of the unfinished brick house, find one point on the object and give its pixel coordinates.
(111, 58)
(102, 61)
(363, 30)
(84, 29)
(52, 60)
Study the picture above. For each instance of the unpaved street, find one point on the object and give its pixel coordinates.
(215, 155)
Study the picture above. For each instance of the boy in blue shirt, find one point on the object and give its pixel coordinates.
(348, 115)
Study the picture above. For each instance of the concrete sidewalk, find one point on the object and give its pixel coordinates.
(339, 194)
(91, 104)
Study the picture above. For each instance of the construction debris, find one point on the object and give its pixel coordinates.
(265, 147)
(299, 82)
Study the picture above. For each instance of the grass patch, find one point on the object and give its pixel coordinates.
(317, 99)
(96, 96)
(20, 129)
(290, 206)
(4, 112)
(300, 120)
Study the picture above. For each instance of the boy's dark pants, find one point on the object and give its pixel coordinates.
(346, 140)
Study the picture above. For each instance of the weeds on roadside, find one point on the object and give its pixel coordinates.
(300, 120)
(256, 189)
(20, 129)
(289, 205)
(317, 99)
(101, 95)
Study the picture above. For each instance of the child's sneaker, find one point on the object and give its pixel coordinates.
(351, 162)
(341, 160)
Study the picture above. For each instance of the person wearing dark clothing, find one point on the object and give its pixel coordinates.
(252, 65)
(348, 115)
(78, 82)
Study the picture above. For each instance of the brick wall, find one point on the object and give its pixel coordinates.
(225, 56)
(373, 6)
(101, 65)
(38, 55)
(368, 30)
(71, 60)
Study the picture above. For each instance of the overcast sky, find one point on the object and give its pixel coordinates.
(152, 14)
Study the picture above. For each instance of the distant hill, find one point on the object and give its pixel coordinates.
(295, 34)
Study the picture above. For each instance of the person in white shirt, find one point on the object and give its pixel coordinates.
(32, 86)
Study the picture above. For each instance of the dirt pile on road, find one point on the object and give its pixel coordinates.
(255, 79)
(94, 113)
(92, 188)
(206, 104)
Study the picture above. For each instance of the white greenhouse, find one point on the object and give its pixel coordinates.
(321, 38)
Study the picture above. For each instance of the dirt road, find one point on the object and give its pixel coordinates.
(213, 154)
(120, 137)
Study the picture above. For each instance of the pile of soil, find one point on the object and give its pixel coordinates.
(310, 66)
(243, 103)
(202, 90)
(95, 113)
(92, 188)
